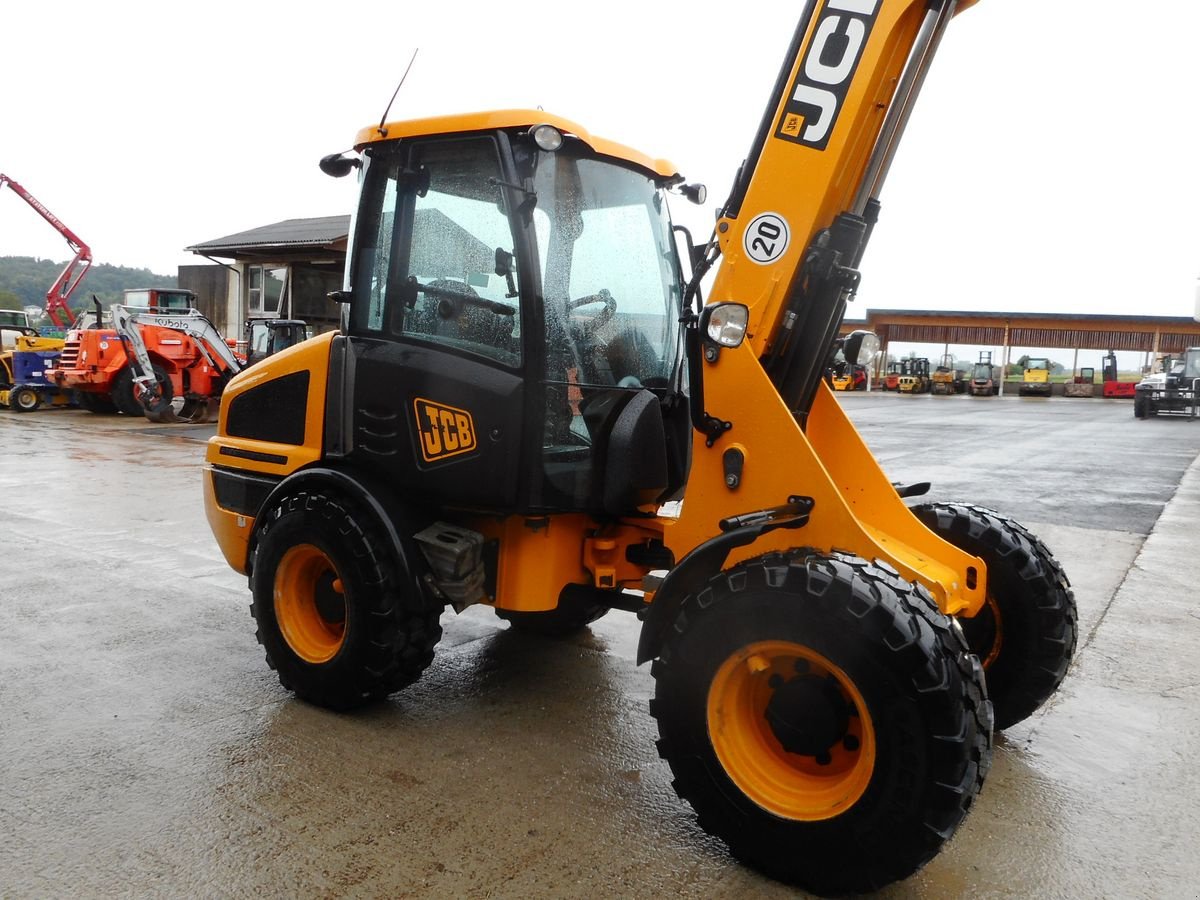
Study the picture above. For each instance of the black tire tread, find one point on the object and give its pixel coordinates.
(123, 394)
(15, 395)
(404, 630)
(901, 620)
(100, 404)
(1021, 562)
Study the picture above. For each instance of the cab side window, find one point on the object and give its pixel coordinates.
(459, 228)
(437, 263)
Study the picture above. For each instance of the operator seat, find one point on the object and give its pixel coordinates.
(631, 355)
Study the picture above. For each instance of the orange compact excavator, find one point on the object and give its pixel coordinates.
(529, 405)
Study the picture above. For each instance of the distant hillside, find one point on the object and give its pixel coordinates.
(28, 279)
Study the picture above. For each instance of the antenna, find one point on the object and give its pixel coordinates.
(383, 131)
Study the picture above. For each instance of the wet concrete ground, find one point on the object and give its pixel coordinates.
(146, 749)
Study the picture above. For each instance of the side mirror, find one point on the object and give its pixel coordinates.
(416, 180)
(337, 165)
(504, 268)
(503, 262)
(860, 347)
(724, 324)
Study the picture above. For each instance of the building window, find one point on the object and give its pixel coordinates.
(266, 288)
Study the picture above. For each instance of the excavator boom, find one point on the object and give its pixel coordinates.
(72, 274)
(212, 352)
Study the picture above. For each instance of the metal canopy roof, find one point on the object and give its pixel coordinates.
(1161, 334)
(290, 237)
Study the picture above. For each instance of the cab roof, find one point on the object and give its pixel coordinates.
(510, 118)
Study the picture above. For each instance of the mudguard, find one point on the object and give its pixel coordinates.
(691, 572)
(397, 521)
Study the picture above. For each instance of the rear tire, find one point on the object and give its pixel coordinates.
(823, 718)
(334, 616)
(100, 404)
(1026, 633)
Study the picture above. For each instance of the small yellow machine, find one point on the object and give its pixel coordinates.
(1035, 379)
(23, 365)
(527, 377)
(914, 379)
(846, 377)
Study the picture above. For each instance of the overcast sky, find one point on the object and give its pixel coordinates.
(1050, 164)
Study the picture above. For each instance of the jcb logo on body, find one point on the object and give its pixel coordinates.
(826, 71)
(443, 431)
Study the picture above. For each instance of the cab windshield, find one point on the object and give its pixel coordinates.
(610, 277)
(611, 300)
(1191, 368)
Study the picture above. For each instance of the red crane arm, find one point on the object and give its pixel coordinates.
(56, 298)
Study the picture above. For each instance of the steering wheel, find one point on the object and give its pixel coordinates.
(591, 324)
(454, 293)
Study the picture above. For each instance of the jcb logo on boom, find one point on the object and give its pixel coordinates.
(826, 71)
(443, 431)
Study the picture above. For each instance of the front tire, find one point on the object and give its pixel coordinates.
(333, 615)
(124, 396)
(24, 399)
(161, 408)
(1026, 632)
(823, 718)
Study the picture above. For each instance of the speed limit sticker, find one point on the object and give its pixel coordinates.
(766, 238)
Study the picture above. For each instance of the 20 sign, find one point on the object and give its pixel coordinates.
(766, 238)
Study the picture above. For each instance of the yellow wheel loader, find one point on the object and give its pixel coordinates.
(530, 406)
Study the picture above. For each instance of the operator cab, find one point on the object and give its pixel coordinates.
(513, 337)
(265, 337)
(1191, 363)
(160, 300)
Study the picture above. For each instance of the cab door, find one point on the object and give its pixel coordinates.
(434, 364)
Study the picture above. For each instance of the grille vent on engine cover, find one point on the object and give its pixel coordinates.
(274, 411)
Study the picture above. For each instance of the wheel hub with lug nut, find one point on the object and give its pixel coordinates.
(807, 714)
(791, 730)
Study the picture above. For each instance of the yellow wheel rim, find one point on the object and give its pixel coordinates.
(310, 605)
(776, 692)
(986, 627)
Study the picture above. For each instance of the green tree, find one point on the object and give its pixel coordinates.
(28, 279)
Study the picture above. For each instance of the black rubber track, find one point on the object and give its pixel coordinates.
(390, 635)
(923, 689)
(1038, 620)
